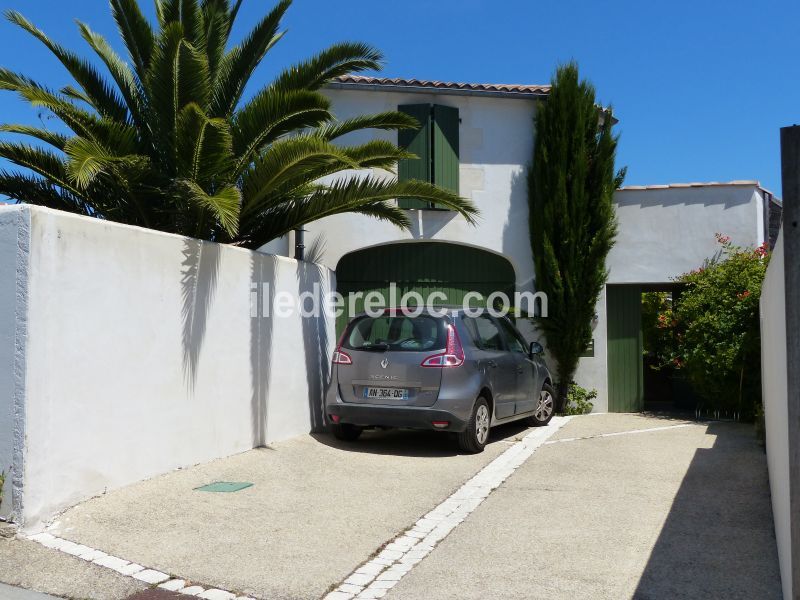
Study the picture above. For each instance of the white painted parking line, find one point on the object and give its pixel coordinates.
(377, 576)
(129, 569)
(632, 431)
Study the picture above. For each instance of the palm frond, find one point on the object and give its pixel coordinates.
(192, 20)
(216, 21)
(339, 59)
(76, 94)
(57, 140)
(167, 141)
(239, 63)
(390, 120)
(42, 162)
(29, 189)
(120, 72)
(86, 160)
(377, 154)
(167, 12)
(284, 161)
(204, 145)
(224, 204)
(271, 114)
(178, 76)
(73, 117)
(101, 95)
(136, 32)
(372, 189)
(365, 196)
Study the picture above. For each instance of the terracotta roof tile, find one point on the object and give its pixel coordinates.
(522, 90)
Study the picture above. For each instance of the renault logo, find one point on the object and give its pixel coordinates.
(385, 363)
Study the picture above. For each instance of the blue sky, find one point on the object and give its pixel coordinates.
(701, 88)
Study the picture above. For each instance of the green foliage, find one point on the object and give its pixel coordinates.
(571, 184)
(579, 400)
(168, 139)
(657, 327)
(716, 328)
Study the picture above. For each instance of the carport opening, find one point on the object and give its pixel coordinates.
(642, 375)
(665, 385)
(452, 270)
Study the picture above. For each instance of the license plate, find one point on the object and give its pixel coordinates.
(382, 393)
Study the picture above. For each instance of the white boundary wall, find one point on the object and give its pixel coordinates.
(126, 353)
(775, 394)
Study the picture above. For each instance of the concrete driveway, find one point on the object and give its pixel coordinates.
(670, 513)
(608, 506)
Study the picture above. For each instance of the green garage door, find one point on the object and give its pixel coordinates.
(625, 364)
(424, 267)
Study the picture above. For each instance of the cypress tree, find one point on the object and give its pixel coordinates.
(571, 184)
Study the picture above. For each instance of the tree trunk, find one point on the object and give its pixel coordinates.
(561, 396)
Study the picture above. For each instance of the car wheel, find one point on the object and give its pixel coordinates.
(474, 437)
(545, 407)
(346, 432)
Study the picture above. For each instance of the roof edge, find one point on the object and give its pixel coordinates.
(360, 82)
(700, 184)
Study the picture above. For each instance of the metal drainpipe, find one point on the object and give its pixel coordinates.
(299, 244)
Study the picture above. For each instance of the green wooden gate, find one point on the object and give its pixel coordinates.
(625, 364)
(423, 267)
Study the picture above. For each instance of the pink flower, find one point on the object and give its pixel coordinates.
(743, 295)
(722, 239)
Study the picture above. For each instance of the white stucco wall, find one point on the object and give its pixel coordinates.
(142, 356)
(775, 397)
(496, 142)
(663, 233)
(666, 232)
(14, 238)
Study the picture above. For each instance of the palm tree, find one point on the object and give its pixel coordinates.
(169, 142)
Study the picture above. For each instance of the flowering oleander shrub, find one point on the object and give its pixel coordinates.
(714, 324)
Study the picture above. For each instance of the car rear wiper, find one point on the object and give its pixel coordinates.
(383, 346)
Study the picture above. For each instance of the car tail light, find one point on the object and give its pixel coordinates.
(440, 424)
(339, 356)
(335, 418)
(453, 356)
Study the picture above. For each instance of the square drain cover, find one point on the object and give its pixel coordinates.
(224, 486)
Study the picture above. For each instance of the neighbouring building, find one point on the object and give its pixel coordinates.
(477, 139)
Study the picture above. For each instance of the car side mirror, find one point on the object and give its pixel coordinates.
(536, 349)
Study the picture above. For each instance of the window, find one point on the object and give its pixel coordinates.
(485, 332)
(398, 333)
(514, 339)
(436, 145)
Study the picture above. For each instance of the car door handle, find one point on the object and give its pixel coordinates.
(520, 370)
(491, 363)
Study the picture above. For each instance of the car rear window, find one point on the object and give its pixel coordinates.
(396, 333)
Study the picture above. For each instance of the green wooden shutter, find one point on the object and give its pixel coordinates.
(419, 142)
(445, 147)
(625, 363)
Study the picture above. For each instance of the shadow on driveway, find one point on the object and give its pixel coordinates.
(718, 540)
(418, 444)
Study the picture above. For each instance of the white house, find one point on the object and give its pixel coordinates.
(477, 139)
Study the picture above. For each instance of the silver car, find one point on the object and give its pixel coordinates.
(458, 372)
